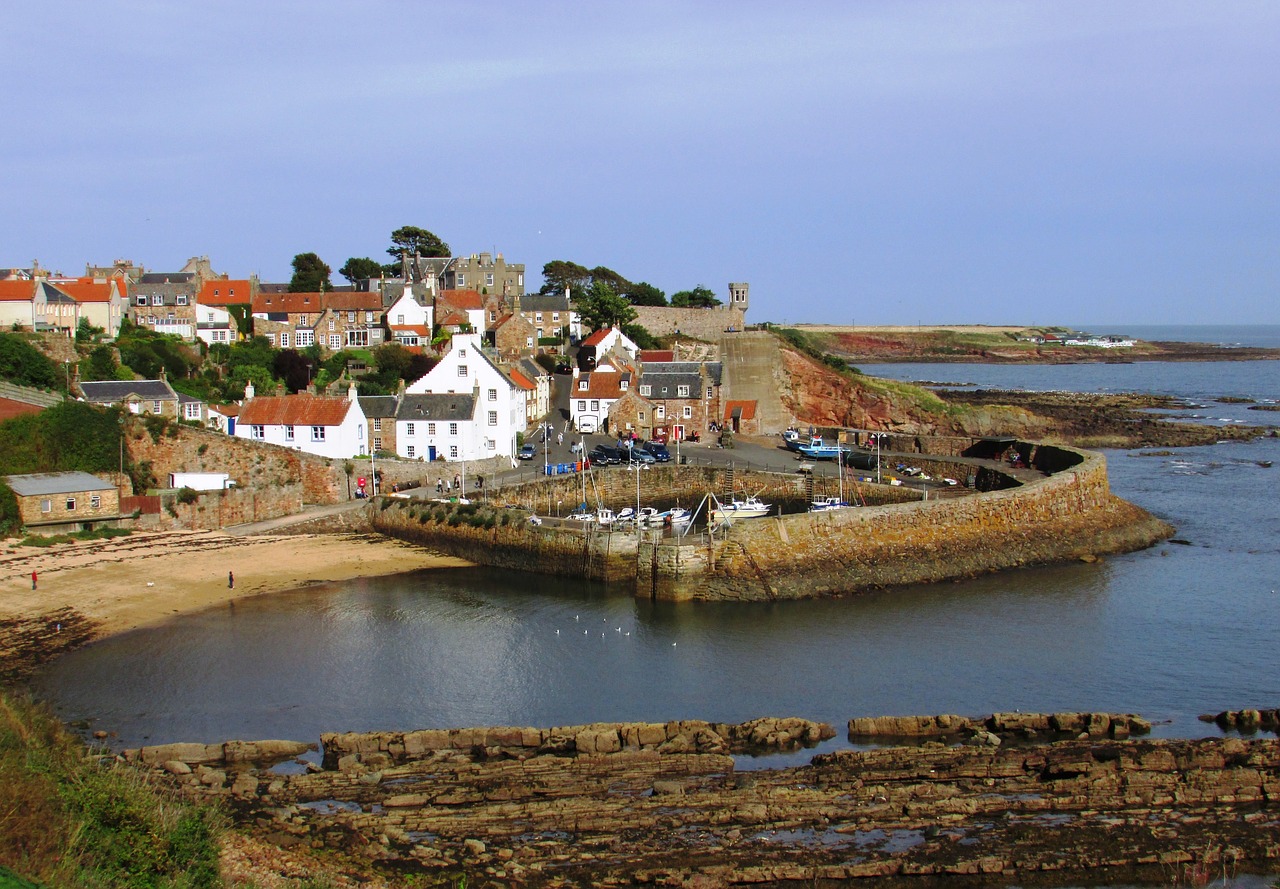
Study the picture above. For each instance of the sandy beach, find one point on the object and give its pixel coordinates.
(146, 578)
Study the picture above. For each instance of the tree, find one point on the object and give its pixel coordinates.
(600, 307)
(293, 368)
(410, 239)
(419, 366)
(640, 336)
(643, 294)
(310, 274)
(23, 363)
(358, 267)
(560, 273)
(616, 282)
(100, 365)
(697, 298)
(392, 360)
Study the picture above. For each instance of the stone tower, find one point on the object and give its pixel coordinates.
(738, 296)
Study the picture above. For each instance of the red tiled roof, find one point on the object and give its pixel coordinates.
(657, 355)
(462, 299)
(454, 318)
(748, 409)
(227, 410)
(419, 329)
(598, 337)
(295, 410)
(17, 291)
(84, 290)
(354, 301)
(521, 380)
(289, 303)
(604, 385)
(224, 293)
(10, 408)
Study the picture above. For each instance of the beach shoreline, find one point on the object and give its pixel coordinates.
(97, 588)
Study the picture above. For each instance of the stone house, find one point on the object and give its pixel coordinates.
(316, 424)
(468, 304)
(549, 315)
(593, 394)
(632, 412)
(380, 411)
(136, 396)
(351, 320)
(685, 395)
(288, 320)
(166, 303)
(482, 272)
(741, 416)
(512, 336)
(65, 501)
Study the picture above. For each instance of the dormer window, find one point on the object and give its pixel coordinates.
(582, 385)
(622, 384)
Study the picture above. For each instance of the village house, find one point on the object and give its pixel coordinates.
(512, 336)
(632, 413)
(136, 396)
(351, 320)
(459, 308)
(539, 402)
(166, 303)
(288, 320)
(57, 502)
(215, 322)
(223, 417)
(316, 424)
(103, 301)
(609, 341)
(439, 426)
(549, 316)
(685, 396)
(593, 394)
(483, 272)
(380, 412)
(500, 404)
(411, 316)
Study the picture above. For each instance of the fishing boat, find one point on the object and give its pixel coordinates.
(792, 439)
(817, 449)
(751, 508)
(675, 517)
(827, 503)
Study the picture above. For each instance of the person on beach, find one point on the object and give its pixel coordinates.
(231, 580)
(33, 580)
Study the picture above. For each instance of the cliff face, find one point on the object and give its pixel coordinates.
(820, 396)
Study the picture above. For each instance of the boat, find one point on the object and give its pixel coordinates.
(827, 504)
(751, 508)
(675, 517)
(605, 517)
(817, 449)
(792, 439)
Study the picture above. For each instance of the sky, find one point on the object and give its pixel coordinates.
(860, 162)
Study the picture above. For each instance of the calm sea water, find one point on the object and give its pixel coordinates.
(1171, 632)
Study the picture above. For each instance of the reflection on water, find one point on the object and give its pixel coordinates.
(1170, 633)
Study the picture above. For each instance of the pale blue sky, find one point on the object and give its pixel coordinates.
(878, 162)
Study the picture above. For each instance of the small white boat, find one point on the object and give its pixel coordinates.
(827, 503)
(751, 508)
(605, 517)
(581, 517)
(676, 516)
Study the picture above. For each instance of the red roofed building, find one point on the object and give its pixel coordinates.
(333, 321)
(468, 304)
(593, 394)
(317, 424)
(103, 301)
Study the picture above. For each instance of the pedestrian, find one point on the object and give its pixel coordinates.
(559, 438)
(33, 580)
(479, 481)
(231, 580)
(439, 486)
(457, 481)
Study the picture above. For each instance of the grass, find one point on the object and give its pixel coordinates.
(69, 819)
(50, 540)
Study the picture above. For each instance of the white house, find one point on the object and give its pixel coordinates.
(317, 424)
(214, 324)
(444, 426)
(499, 411)
(593, 393)
(411, 321)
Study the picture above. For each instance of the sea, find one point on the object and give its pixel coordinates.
(1185, 628)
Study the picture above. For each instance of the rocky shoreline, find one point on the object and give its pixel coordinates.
(668, 804)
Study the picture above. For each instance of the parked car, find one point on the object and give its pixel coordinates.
(640, 455)
(527, 452)
(658, 450)
(603, 455)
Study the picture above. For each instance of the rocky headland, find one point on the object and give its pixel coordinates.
(1010, 798)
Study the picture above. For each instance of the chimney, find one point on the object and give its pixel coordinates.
(351, 391)
(248, 390)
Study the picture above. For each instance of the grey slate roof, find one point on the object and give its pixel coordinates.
(113, 391)
(538, 303)
(167, 278)
(52, 294)
(41, 483)
(436, 407)
(377, 407)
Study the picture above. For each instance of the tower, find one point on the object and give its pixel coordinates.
(738, 296)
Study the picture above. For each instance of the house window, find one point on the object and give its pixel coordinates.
(271, 340)
(555, 316)
(335, 341)
(408, 451)
(493, 394)
(400, 319)
(453, 428)
(537, 317)
(493, 316)
(408, 429)
(306, 338)
(528, 342)
(431, 429)
(453, 451)
(708, 391)
(540, 333)
(377, 443)
(640, 416)
(258, 432)
(46, 506)
(462, 370)
(71, 504)
(193, 411)
(95, 502)
(351, 317)
(182, 299)
(488, 279)
(582, 405)
(493, 418)
(645, 390)
(155, 407)
(377, 424)
(368, 317)
(462, 353)
(142, 299)
(595, 404)
(462, 281)
(317, 433)
(688, 412)
(682, 391)
(332, 324)
(284, 340)
(288, 433)
(623, 384)
(357, 337)
(660, 412)
(583, 385)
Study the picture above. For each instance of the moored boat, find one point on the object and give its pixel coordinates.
(827, 503)
(751, 508)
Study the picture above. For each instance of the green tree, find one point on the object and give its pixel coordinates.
(643, 294)
(600, 307)
(410, 239)
(100, 365)
(72, 435)
(698, 298)
(560, 273)
(87, 333)
(616, 282)
(359, 267)
(24, 364)
(392, 360)
(293, 368)
(310, 274)
(640, 336)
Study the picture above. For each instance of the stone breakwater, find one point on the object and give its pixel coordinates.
(1067, 514)
(998, 727)
(490, 804)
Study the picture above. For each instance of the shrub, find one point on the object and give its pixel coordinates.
(187, 495)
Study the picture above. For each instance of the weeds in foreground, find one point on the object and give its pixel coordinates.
(52, 539)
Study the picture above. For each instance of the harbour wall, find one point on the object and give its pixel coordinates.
(1068, 515)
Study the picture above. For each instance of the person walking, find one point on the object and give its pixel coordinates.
(231, 580)
(33, 580)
